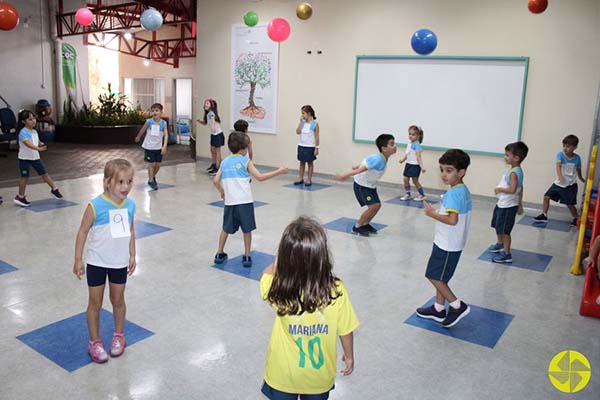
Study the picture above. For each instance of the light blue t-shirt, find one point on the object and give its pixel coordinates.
(210, 116)
(25, 153)
(376, 165)
(235, 179)
(154, 135)
(454, 237)
(411, 152)
(569, 168)
(507, 200)
(103, 249)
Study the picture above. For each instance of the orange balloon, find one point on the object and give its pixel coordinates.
(9, 17)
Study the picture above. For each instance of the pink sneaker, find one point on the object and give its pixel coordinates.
(117, 347)
(97, 352)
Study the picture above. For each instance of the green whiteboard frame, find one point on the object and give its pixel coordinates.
(489, 58)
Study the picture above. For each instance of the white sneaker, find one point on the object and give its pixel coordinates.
(420, 198)
(406, 197)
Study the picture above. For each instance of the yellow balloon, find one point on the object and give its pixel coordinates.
(304, 11)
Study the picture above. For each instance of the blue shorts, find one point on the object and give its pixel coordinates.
(503, 219)
(564, 195)
(275, 394)
(152, 156)
(38, 165)
(217, 140)
(442, 264)
(306, 154)
(412, 170)
(96, 276)
(239, 215)
(365, 196)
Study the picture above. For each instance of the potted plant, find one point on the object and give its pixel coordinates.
(111, 121)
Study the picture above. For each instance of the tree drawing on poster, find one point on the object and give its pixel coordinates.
(253, 69)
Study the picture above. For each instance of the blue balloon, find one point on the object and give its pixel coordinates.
(423, 41)
(151, 20)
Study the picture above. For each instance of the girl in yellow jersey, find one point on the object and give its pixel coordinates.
(313, 309)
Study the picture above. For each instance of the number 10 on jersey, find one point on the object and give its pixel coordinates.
(312, 344)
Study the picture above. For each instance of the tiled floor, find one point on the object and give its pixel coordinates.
(211, 329)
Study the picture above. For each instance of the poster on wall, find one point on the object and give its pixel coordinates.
(254, 60)
(69, 69)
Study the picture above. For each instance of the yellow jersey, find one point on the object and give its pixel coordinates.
(302, 352)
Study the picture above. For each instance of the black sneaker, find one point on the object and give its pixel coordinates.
(154, 185)
(213, 172)
(220, 258)
(1, 201)
(574, 222)
(300, 182)
(431, 313)
(21, 201)
(211, 166)
(456, 314)
(371, 229)
(362, 231)
(56, 193)
(541, 218)
(246, 261)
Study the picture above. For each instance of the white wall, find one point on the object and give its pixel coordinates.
(24, 70)
(564, 73)
(133, 67)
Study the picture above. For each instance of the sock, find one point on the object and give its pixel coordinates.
(421, 191)
(438, 307)
(455, 304)
(407, 188)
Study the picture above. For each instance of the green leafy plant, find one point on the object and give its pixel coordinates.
(112, 109)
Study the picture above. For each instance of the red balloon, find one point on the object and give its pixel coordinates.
(278, 30)
(537, 6)
(84, 16)
(9, 17)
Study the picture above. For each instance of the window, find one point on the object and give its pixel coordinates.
(144, 92)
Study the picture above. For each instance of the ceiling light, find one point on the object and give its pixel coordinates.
(146, 62)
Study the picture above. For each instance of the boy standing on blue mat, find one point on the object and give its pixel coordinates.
(453, 220)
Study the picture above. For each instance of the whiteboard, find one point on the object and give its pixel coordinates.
(472, 103)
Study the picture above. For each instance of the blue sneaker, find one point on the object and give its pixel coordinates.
(220, 258)
(246, 261)
(496, 248)
(502, 258)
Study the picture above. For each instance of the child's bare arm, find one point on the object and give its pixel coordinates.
(250, 152)
(594, 250)
(520, 206)
(132, 261)
(450, 219)
(357, 169)
(32, 146)
(84, 228)
(299, 127)
(217, 183)
(512, 188)
(348, 358)
(420, 161)
(317, 140)
(141, 132)
(559, 172)
(263, 177)
(580, 175)
(163, 151)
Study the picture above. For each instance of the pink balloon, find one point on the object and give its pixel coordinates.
(84, 16)
(278, 30)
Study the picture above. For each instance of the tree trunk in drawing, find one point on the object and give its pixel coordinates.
(253, 69)
(251, 97)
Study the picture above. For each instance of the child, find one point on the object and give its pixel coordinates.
(29, 155)
(155, 142)
(451, 229)
(308, 145)
(313, 308)
(217, 138)
(510, 200)
(366, 175)
(241, 125)
(414, 163)
(110, 252)
(232, 180)
(564, 188)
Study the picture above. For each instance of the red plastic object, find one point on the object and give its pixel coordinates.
(9, 16)
(537, 6)
(589, 306)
